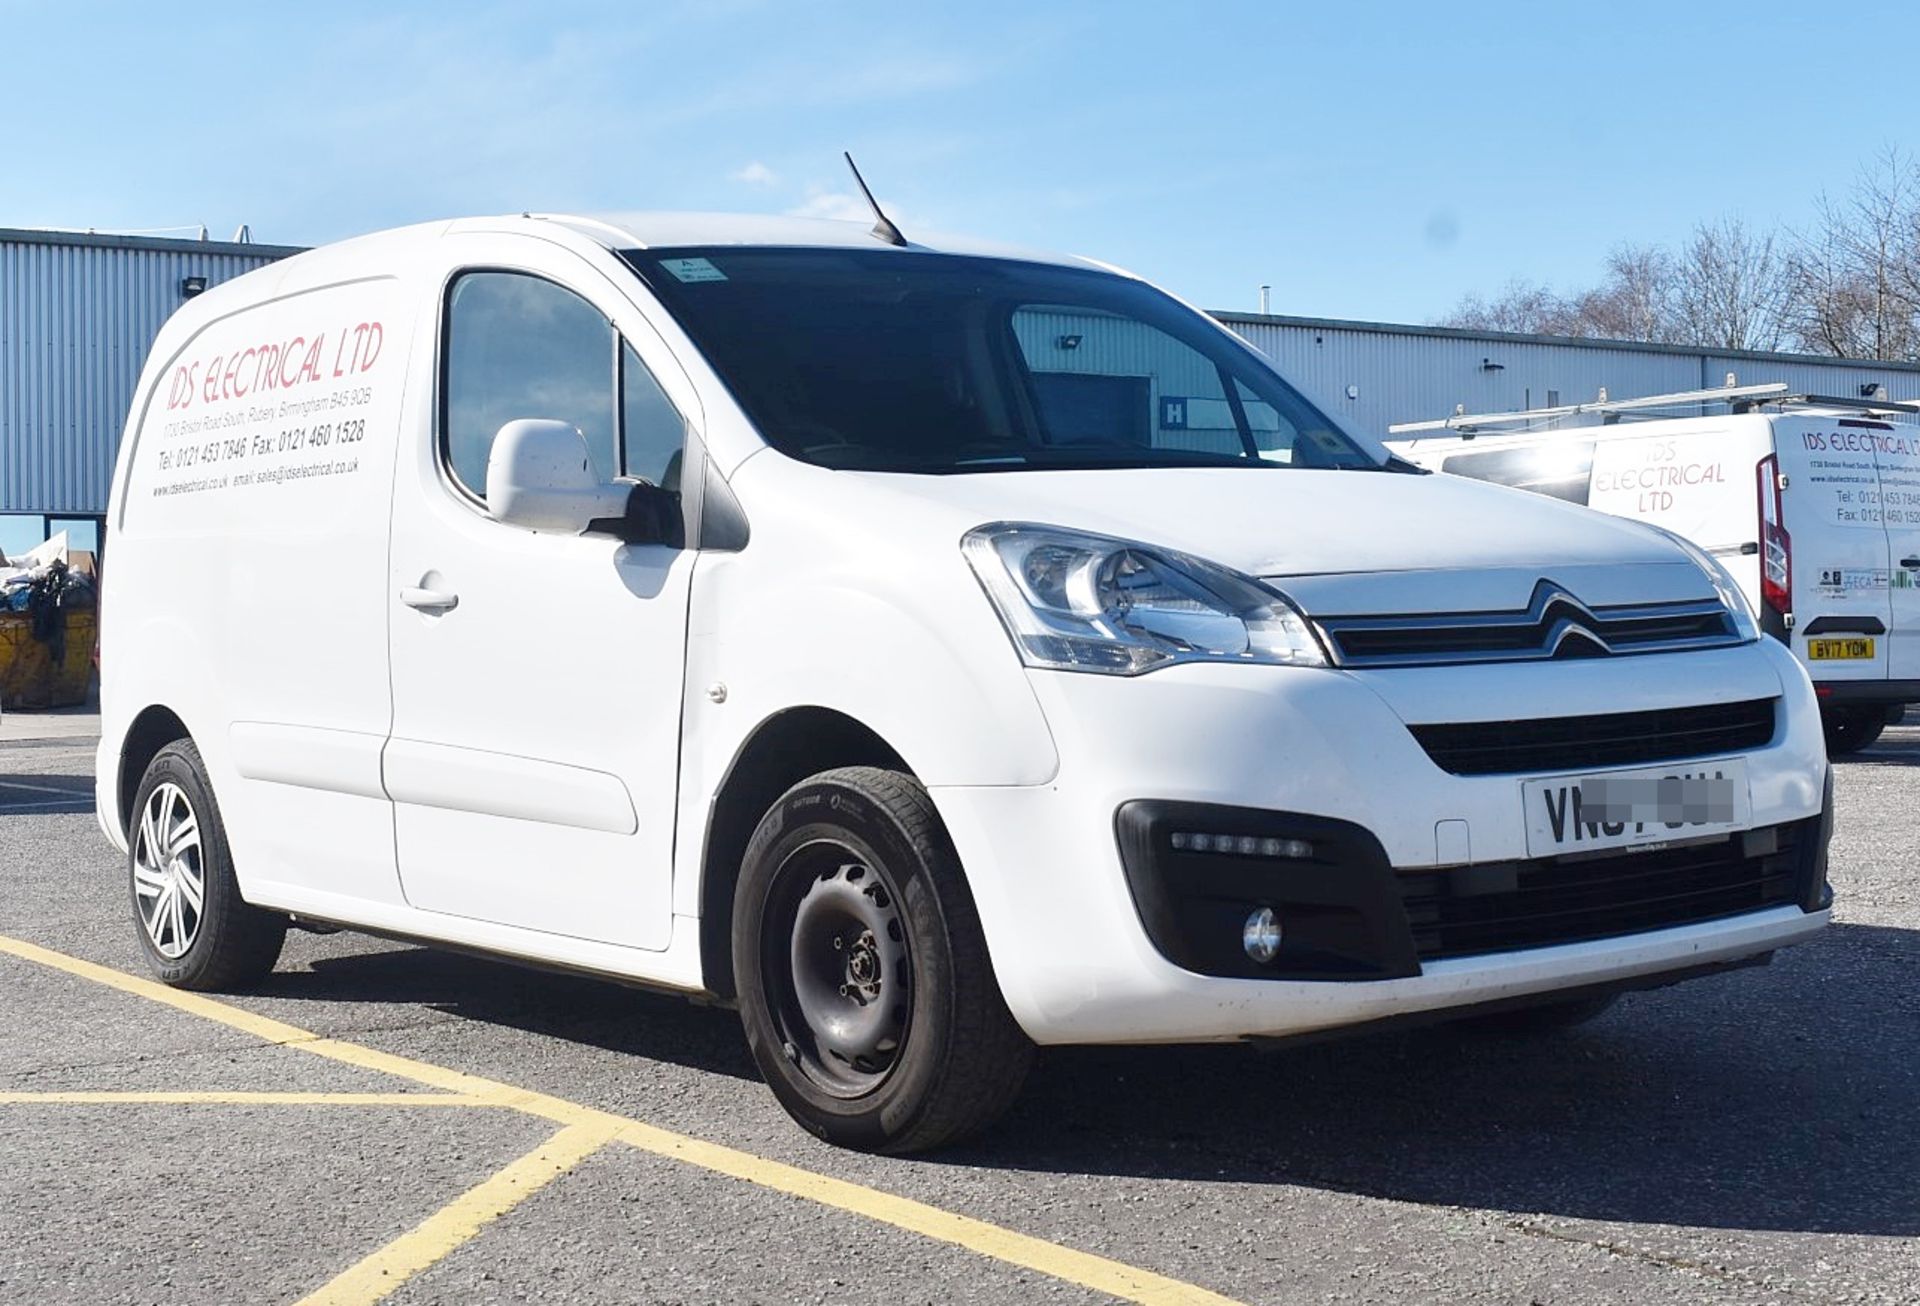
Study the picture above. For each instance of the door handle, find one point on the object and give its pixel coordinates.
(429, 600)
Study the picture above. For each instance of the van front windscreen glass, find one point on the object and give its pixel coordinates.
(892, 360)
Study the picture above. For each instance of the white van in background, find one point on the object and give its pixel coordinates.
(1812, 503)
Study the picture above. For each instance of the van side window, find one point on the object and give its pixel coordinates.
(518, 346)
(652, 432)
(1555, 468)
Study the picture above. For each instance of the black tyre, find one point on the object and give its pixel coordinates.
(1544, 1018)
(1850, 729)
(197, 931)
(865, 987)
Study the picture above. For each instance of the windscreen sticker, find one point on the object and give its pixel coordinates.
(693, 269)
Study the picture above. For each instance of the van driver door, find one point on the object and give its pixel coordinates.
(537, 677)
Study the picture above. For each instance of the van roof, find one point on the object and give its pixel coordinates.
(613, 231)
(648, 230)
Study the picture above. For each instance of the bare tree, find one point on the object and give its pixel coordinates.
(1857, 272)
(1523, 306)
(1635, 302)
(1732, 289)
(1849, 285)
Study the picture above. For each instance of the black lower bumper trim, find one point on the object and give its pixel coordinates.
(1867, 691)
(1198, 871)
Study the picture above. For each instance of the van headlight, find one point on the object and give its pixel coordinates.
(1074, 601)
(1732, 597)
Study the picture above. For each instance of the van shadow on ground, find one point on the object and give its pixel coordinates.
(1774, 1099)
(595, 1013)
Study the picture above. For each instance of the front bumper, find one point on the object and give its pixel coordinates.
(1067, 939)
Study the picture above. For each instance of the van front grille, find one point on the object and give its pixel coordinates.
(1576, 743)
(1553, 625)
(1549, 901)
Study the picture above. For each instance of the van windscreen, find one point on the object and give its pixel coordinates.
(898, 360)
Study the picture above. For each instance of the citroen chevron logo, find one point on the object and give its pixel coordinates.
(1568, 625)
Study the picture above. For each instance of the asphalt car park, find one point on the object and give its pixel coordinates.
(381, 1120)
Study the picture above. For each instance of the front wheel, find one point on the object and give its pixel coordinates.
(865, 987)
(1850, 729)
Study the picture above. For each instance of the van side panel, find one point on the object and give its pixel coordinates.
(248, 583)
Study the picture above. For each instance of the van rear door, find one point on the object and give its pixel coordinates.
(1830, 501)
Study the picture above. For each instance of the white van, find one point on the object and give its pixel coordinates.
(1812, 504)
(935, 651)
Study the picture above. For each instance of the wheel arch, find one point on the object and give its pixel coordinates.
(152, 729)
(783, 750)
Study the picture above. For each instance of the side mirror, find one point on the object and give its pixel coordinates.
(540, 476)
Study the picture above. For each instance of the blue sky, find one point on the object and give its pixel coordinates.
(1367, 160)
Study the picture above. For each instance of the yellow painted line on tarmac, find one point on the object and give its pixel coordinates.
(166, 1097)
(459, 1220)
(1115, 1278)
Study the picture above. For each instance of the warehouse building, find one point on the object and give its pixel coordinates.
(1373, 374)
(78, 312)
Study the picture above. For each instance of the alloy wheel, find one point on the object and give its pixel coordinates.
(169, 871)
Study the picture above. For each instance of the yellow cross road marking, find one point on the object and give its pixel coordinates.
(459, 1220)
(1115, 1278)
(220, 1098)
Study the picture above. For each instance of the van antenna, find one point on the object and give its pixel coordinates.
(882, 228)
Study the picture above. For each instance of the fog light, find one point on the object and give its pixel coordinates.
(1260, 936)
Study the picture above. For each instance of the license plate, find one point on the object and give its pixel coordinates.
(1626, 809)
(1839, 650)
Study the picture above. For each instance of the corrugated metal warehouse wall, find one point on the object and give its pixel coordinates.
(77, 315)
(1372, 374)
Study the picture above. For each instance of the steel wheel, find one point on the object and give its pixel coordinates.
(866, 990)
(843, 991)
(169, 872)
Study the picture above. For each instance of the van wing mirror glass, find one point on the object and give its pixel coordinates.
(540, 476)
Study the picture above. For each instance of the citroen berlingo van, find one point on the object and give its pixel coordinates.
(935, 651)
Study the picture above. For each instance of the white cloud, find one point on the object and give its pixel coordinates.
(755, 173)
(832, 204)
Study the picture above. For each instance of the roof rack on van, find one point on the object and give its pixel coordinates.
(1828, 401)
(1468, 424)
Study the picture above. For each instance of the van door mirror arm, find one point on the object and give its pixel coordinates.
(652, 516)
